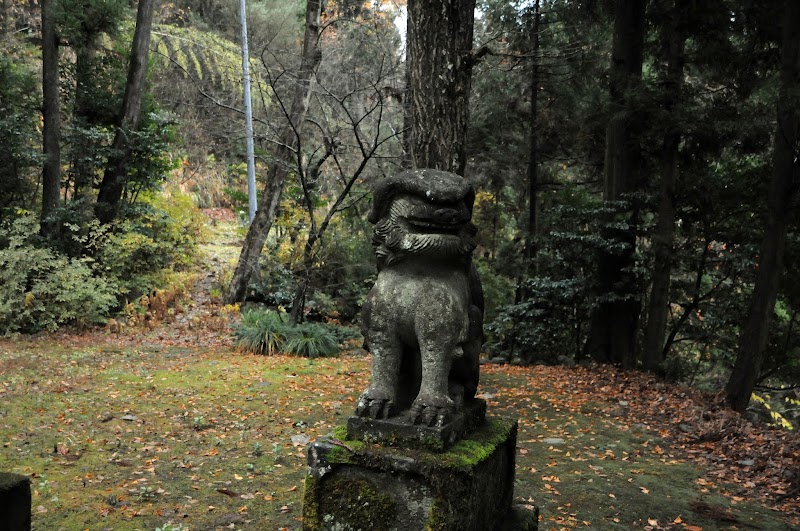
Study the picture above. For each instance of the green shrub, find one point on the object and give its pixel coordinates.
(269, 332)
(261, 332)
(310, 340)
(343, 333)
(41, 289)
(498, 290)
(274, 287)
(19, 115)
(162, 233)
(545, 326)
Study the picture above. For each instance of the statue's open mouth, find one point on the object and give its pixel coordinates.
(434, 227)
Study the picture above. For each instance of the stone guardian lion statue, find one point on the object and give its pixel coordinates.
(423, 318)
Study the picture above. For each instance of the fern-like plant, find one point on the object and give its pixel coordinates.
(262, 331)
(269, 332)
(311, 341)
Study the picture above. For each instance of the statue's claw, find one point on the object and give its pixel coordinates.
(430, 415)
(375, 408)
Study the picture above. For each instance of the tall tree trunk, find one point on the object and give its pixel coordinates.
(4, 12)
(783, 189)
(438, 80)
(529, 251)
(613, 324)
(81, 170)
(284, 160)
(674, 37)
(114, 179)
(51, 131)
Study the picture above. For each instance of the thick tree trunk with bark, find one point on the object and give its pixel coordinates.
(783, 190)
(285, 159)
(673, 40)
(114, 179)
(529, 251)
(51, 132)
(438, 79)
(81, 171)
(613, 324)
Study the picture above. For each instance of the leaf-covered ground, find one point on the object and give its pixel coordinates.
(174, 426)
(167, 426)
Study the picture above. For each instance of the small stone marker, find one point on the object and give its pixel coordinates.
(15, 502)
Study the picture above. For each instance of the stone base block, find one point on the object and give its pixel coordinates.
(354, 485)
(402, 430)
(15, 502)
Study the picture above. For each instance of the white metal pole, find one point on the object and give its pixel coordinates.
(248, 114)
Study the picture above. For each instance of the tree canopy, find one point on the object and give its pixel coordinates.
(634, 162)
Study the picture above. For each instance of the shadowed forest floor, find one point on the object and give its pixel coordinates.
(166, 425)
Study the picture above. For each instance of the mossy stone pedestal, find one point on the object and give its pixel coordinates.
(356, 485)
(15, 502)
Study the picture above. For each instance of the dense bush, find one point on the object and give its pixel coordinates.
(551, 317)
(544, 327)
(160, 233)
(274, 286)
(269, 332)
(344, 271)
(19, 139)
(41, 289)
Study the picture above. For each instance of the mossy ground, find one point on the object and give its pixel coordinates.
(133, 438)
(136, 432)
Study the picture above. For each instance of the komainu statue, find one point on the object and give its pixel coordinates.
(423, 319)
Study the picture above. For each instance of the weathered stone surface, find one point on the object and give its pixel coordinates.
(423, 318)
(521, 518)
(15, 502)
(357, 486)
(401, 429)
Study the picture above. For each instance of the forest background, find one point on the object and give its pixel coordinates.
(636, 173)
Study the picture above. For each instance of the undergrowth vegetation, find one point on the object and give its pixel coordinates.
(140, 265)
(41, 289)
(270, 332)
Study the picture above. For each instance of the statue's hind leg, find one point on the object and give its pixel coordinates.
(378, 401)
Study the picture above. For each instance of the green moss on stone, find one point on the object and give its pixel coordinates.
(438, 517)
(354, 503)
(311, 520)
(340, 432)
(480, 444)
(463, 455)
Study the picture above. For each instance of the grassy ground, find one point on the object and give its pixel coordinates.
(166, 426)
(119, 437)
(131, 432)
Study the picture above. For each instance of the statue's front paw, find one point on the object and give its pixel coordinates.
(374, 407)
(432, 411)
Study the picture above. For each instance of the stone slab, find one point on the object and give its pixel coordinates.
(469, 487)
(15, 502)
(400, 429)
